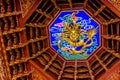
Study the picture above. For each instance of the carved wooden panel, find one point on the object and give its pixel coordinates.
(26, 4)
(2, 69)
(115, 3)
(114, 76)
(37, 76)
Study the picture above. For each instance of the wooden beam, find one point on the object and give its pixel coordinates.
(112, 21)
(55, 4)
(70, 4)
(31, 10)
(106, 15)
(44, 13)
(50, 62)
(112, 52)
(49, 7)
(85, 3)
(15, 77)
(43, 5)
(110, 6)
(101, 62)
(90, 71)
(40, 70)
(10, 14)
(38, 18)
(4, 53)
(35, 15)
(108, 73)
(75, 72)
(35, 25)
(113, 37)
(99, 10)
(62, 70)
(93, 4)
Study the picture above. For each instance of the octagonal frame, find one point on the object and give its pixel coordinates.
(100, 31)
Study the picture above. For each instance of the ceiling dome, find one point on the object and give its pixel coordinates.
(59, 39)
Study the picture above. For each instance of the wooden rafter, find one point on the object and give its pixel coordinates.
(99, 10)
(85, 3)
(112, 52)
(101, 63)
(111, 13)
(110, 6)
(21, 75)
(93, 4)
(28, 58)
(44, 4)
(62, 70)
(31, 10)
(55, 4)
(50, 62)
(35, 25)
(106, 15)
(5, 56)
(34, 17)
(44, 13)
(75, 72)
(111, 70)
(40, 70)
(113, 37)
(49, 7)
(70, 4)
(112, 21)
(90, 71)
(37, 20)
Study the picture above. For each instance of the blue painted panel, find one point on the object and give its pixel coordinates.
(74, 42)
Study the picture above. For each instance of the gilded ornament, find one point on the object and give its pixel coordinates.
(72, 36)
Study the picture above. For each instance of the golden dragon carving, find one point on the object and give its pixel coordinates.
(72, 34)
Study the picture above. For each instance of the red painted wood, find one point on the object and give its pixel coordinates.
(30, 11)
(41, 71)
(110, 6)
(107, 73)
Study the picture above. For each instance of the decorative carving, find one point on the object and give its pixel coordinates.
(37, 32)
(12, 55)
(2, 8)
(12, 22)
(14, 69)
(33, 48)
(15, 41)
(115, 75)
(72, 34)
(31, 33)
(6, 26)
(9, 7)
(26, 4)
(18, 54)
(39, 45)
(19, 76)
(116, 3)
(20, 68)
(9, 39)
(2, 68)
(38, 76)
(10, 14)
(35, 25)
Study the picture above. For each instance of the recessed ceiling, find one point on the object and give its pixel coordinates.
(30, 48)
(74, 34)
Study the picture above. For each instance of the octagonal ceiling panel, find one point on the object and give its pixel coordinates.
(74, 35)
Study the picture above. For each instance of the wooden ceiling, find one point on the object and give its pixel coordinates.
(25, 47)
